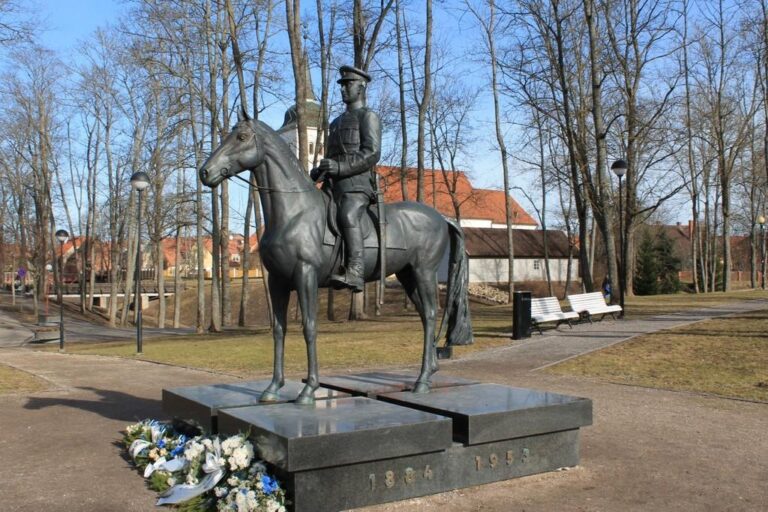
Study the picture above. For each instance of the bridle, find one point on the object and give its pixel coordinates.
(271, 189)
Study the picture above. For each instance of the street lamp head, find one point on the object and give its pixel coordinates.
(761, 220)
(139, 181)
(619, 168)
(62, 236)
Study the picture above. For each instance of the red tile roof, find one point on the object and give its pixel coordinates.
(474, 203)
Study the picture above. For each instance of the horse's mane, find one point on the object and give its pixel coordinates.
(279, 149)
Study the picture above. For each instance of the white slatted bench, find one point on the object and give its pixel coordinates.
(591, 304)
(547, 309)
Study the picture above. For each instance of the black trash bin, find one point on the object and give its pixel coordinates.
(521, 315)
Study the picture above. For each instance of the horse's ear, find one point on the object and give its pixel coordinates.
(242, 115)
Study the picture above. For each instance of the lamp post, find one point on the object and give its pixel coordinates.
(139, 182)
(48, 270)
(62, 236)
(761, 221)
(619, 168)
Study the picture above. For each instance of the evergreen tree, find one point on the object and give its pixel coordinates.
(646, 267)
(669, 265)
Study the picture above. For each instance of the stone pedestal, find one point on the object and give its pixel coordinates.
(201, 404)
(351, 452)
(372, 384)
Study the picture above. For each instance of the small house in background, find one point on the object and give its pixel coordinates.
(187, 265)
(483, 218)
(487, 250)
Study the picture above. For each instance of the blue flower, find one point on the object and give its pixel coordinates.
(161, 443)
(269, 483)
(179, 446)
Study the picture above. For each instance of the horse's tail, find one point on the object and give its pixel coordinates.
(456, 319)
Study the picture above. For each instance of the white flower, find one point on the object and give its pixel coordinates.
(241, 457)
(230, 444)
(192, 479)
(220, 492)
(193, 450)
(241, 500)
(171, 481)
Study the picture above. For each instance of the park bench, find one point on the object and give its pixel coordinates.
(590, 304)
(547, 309)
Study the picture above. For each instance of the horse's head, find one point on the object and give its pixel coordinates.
(239, 151)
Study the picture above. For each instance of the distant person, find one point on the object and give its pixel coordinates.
(607, 289)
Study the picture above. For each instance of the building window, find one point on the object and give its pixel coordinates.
(311, 148)
(536, 265)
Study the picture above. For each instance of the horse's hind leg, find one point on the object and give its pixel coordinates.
(279, 294)
(306, 287)
(421, 286)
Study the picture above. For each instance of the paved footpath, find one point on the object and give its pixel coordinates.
(648, 450)
(15, 334)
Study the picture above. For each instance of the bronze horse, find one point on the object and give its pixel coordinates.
(293, 251)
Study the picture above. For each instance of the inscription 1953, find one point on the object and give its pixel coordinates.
(492, 461)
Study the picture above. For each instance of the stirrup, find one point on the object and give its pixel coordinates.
(346, 281)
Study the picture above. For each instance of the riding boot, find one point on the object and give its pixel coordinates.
(354, 274)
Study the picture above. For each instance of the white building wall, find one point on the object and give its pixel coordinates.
(485, 223)
(514, 226)
(494, 270)
(292, 138)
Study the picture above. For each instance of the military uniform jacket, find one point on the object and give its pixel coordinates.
(354, 142)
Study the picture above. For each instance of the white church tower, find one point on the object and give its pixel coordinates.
(290, 133)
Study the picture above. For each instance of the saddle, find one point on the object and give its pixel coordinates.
(369, 225)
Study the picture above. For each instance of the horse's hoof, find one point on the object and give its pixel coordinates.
(421, 387)
(268, 397)
(305, 399)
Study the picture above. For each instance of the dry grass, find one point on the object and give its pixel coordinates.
(727, 359)
(386, 341)
(723, 356)
(17, 381)
(639, 307)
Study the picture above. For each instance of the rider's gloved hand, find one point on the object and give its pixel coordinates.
(315, 173)
(330, 167)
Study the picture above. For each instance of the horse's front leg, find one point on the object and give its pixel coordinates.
(426, 286)
(306, 287)
(279, 293)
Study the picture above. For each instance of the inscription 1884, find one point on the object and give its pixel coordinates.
(408, 477)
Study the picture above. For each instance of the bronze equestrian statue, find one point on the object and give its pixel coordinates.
(297, 248)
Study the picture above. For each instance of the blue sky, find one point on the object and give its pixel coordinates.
(67, 21)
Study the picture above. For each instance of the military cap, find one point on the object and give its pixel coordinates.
(352, 73)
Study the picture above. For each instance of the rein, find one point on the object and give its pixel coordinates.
(270, 189)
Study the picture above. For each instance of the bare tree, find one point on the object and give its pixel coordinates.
(489, 25)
